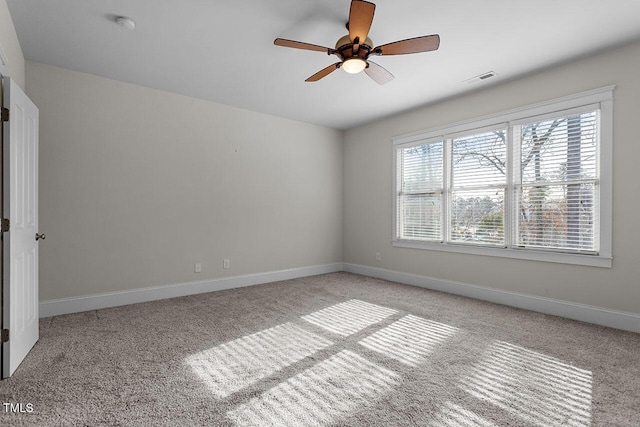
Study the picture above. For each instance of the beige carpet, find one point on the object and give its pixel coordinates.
(336, 349)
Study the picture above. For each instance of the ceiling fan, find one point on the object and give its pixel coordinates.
(355, 48)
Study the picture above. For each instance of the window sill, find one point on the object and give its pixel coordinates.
(531, 255)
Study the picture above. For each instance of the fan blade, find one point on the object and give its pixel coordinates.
(414, 45)
(360, 19)
(378, 73)
(324, 72)
(301, 45)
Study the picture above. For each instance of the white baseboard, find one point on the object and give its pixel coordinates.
(586, 313)
(115, 299)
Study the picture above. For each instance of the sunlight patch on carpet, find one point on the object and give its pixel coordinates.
(409, 339)
(532, 386)
(349, 317)
(452, 415)
(319, 395)
(230, 367)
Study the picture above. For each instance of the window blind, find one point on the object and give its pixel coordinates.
(478, 186)
(420, 192)
(557, 190)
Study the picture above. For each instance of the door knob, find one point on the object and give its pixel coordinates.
(40, 236)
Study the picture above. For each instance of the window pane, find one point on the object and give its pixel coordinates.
(422, 168)
(477, 217)
(421, 216)
(480, 159)
(558, 217)
(420, 193)
(559, 150)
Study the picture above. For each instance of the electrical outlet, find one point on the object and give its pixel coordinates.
(226, 263)
(197, 267)
(377, 256)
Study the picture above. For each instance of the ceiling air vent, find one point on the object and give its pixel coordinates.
(481, 77)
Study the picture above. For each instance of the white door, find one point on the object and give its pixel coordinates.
(20, 207)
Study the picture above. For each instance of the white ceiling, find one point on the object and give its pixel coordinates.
(222, 50)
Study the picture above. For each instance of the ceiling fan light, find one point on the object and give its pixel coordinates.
(354, 65)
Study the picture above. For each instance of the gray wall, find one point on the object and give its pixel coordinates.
(368, 189)
(137, 185)
(11, 45)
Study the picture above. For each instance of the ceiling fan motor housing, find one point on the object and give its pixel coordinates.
(345, 48)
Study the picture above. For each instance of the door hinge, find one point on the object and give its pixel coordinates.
(5, 225)
(5, 114)
(5, 335)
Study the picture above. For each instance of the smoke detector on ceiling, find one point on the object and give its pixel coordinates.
(481, 77)
(126, 23)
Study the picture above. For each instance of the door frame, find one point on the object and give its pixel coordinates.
(3, 73)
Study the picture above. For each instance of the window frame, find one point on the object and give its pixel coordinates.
(600, 99)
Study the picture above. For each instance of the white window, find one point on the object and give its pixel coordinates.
(420, 191)
(478, 187)
(532, 183)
